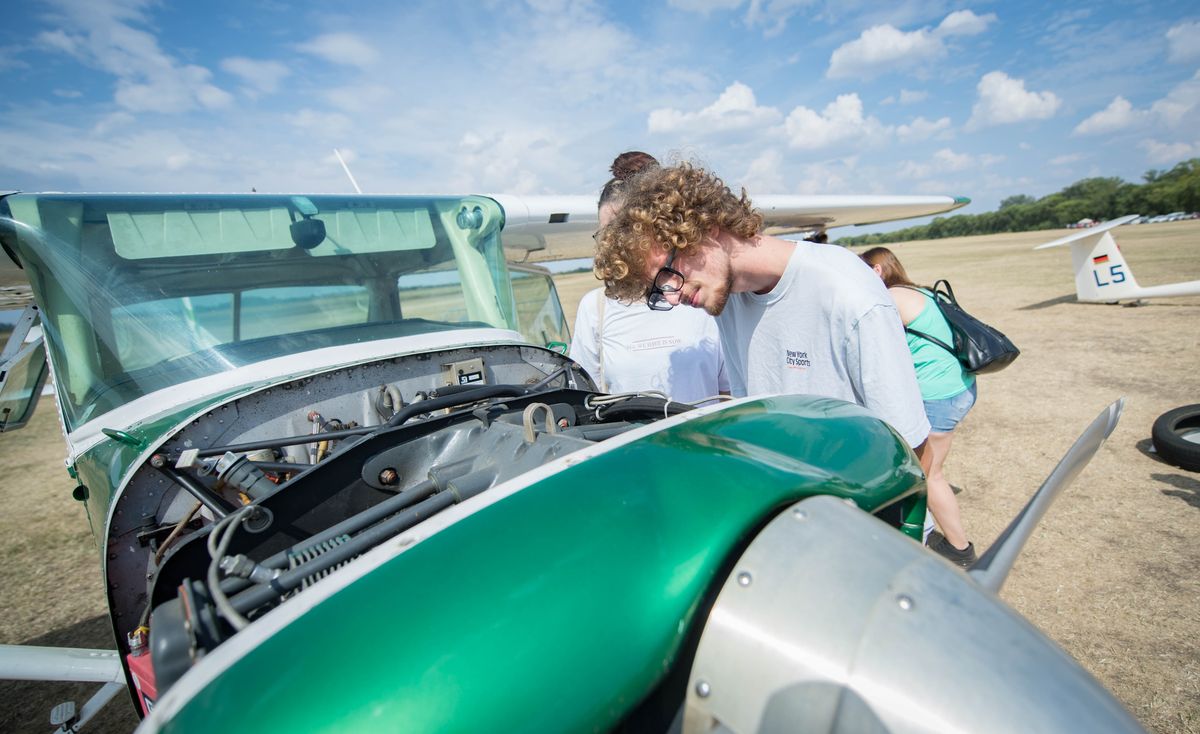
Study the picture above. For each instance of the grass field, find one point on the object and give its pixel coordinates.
(1110, 574)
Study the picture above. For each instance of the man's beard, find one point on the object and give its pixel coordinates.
(720, 295)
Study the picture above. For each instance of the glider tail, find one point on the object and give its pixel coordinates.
(1101, 273)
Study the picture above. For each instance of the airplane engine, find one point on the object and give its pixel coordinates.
(831, 619)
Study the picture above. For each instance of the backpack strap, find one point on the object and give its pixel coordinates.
(932, 339)
(949, 291)
(933, 297)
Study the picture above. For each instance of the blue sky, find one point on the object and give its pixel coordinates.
(981, 99)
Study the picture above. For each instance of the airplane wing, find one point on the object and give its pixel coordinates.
(826, 211)
(1083, 234)
(563, 225)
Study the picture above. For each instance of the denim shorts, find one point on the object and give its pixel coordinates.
(945, 414)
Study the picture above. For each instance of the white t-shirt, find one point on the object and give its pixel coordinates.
(677, 352)
(828, 328)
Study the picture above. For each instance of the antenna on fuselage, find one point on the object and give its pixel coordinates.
(347, 170)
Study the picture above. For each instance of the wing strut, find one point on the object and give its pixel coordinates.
(992, 568)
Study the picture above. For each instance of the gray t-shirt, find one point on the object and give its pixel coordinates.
(828, 328)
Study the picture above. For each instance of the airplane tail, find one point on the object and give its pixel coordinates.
(1101, 273)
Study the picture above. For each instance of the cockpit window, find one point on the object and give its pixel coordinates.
(146, 292)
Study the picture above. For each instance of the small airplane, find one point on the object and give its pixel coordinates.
(342, 476)
(1101, 273)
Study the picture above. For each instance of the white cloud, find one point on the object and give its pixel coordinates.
(948, 160)
(516, 160)
(773, 15)
(1163, 153)
(912, 97)
(964, 23)
(346, 49)
(735, 109)
(765, 173)
(258, 76)
(359, 98)
(178, 161)
(68, 93)
(58, 40)
(884, 48)
(1119, 115)
(704, 6)
(331, 124)
(841, 121)
(945, 160)
(582, 55)
(1004, 100)
(103, 35)
(112, 122)
(830, 177)
(1178, 108)
(1183, 42)
(921, 129)
(1062, 160)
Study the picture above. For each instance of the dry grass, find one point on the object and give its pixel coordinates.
(1110, 573)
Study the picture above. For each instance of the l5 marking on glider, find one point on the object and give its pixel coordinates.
(1101, 273)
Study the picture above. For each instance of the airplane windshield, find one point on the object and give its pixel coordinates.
(140, 293)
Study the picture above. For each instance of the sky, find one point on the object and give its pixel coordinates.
(984, 100)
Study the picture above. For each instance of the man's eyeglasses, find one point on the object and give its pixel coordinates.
(667, 280)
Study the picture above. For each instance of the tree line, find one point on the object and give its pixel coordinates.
(1162, 192)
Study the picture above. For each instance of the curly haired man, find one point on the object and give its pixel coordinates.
(794, 317)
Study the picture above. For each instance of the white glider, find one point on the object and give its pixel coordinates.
(1101, 273)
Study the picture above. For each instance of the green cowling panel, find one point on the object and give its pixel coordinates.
(559, 607)
(106, 466)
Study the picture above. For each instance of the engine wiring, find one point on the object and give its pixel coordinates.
(218, 544)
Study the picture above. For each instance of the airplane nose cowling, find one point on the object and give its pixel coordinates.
(830, 621)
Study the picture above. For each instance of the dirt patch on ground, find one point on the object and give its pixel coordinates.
(1110, 574)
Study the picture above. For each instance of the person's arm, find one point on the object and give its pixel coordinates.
(722, 375)
(908, 302)
(881, 369)
(583, 337)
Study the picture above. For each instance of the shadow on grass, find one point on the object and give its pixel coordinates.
(1186, 488)
(25, 705)
(1146, 446)
(1069, 298)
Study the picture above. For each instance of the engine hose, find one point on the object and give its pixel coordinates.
(456, 491)
(455, 398)
(642, 408)
(256, 596)
(350, 525)
(210, 499)
(278, 443)
(439, 480)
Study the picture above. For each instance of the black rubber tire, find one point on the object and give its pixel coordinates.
(1168, 437)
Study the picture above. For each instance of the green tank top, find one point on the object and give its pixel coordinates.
(939, 373)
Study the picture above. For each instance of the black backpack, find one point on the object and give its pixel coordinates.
(979, 347)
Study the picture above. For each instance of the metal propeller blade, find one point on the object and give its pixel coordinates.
(993, 567)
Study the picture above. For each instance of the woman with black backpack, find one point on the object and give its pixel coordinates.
(947, 389)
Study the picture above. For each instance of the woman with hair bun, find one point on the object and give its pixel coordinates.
(627, 347)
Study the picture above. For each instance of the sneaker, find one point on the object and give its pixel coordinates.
(965, 557)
